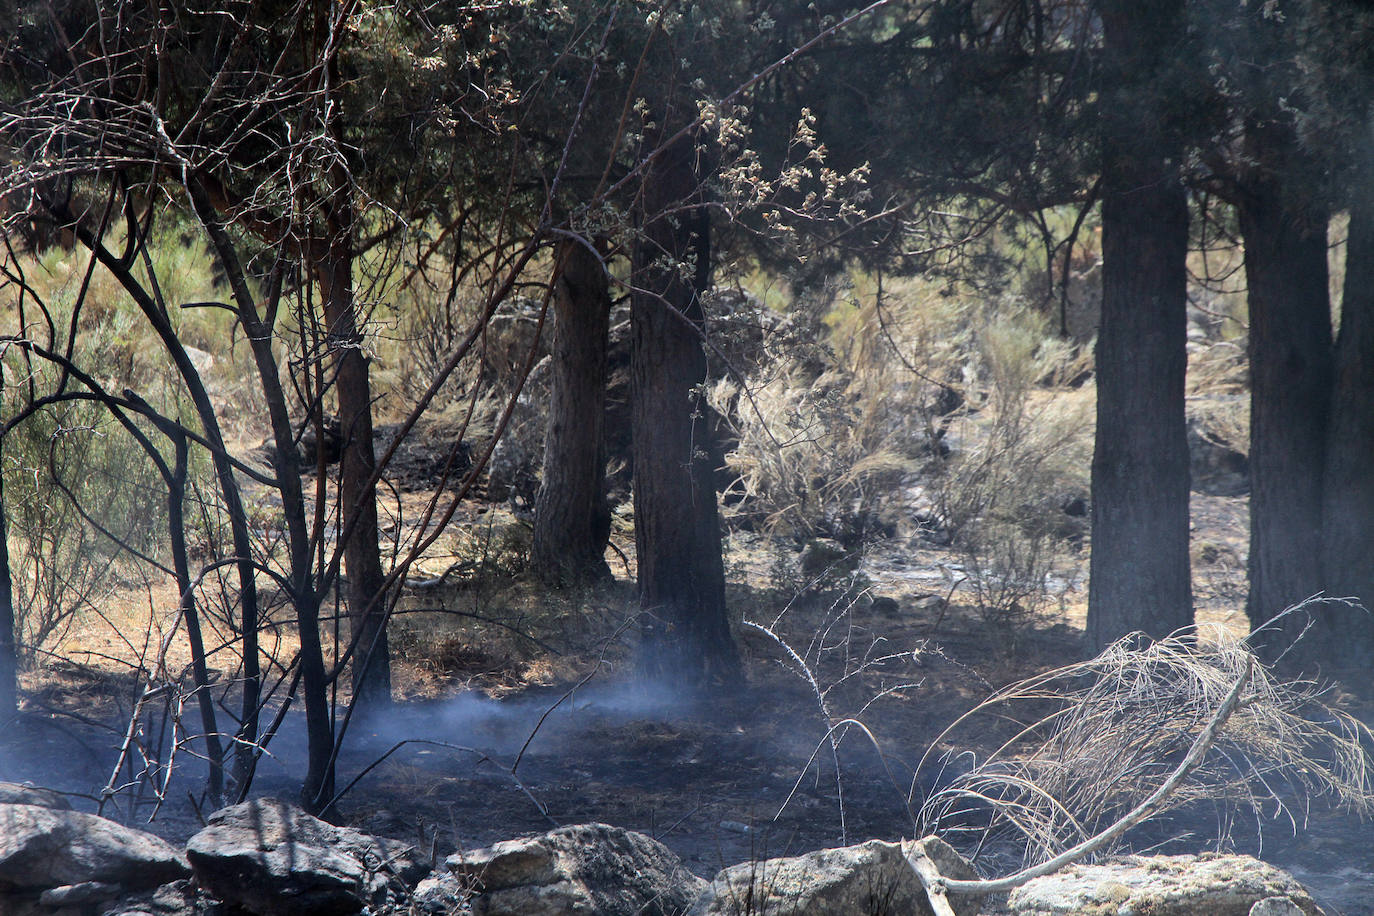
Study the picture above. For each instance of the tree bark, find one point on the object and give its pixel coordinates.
(572, 521)
(247, 733)
(181, 567)
(357, 499)
(9, 647)
(367, 605)
(677, 529)
(318, 784)
(1139, 567)
(1348, 500)
(1290, 387)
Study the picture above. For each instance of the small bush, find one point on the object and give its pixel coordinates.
(63, 457)
(1023, 449)
(81, 494)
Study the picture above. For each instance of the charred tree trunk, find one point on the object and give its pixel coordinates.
(9, 646)
(357, 495)
(181, 566)
(318, 785)
(677, 529)
(1140, 577)
(572, 521)
(1348, 507)
(241, 538)
(1290, 386)
(367, 606)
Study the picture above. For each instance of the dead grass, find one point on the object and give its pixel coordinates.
(1101, 736)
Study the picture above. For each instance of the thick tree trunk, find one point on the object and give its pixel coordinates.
(367, 604)
(572, 521)
(1348, 514)
(1290, 389)
(1140, 578)
(677, 529)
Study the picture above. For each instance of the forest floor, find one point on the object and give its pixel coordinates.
(498, 735)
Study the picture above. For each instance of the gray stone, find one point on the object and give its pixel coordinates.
(886, 606)
(273, 859)
(179, 898)
(871, 878)
(79, 894)
(583, 869)
(827, 557)
(14, 793)
(1276, 906)
(441, 894)
(1205, 885)
(41, 848)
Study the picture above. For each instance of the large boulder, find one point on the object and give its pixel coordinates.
(43, 849)
(1204, 885)
(871, 878)
(273, 859)
(15, 793)
(583, 869)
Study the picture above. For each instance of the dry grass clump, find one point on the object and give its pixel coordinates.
(1218, 396)
(84, 504)
(825, 424)
(1105, 734)
(928, 405)
(1025, 451)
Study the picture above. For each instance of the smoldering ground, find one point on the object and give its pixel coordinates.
(719, 780)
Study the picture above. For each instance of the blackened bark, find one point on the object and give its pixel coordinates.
(181, 566)
(9, 648)
(677, 529)
(1290, 386)
(1140, 577)
(367, 604)
(247, 733)
(318, 784)
(572, 520)
(1348, 515)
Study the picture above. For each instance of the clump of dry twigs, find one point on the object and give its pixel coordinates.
(1144, 730)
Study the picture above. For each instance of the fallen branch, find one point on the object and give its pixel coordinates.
(938, 887)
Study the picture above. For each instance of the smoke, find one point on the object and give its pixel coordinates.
(546, 720)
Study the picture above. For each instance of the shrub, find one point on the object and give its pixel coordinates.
(81, 495)
(1023, 449)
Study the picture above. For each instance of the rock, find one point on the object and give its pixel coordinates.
(202, 360)
(825, 556)
(441, 894)
(583, 869)
(873, 877)
(14, 793)
(273, 859)
(1276, 906)
(43, 848)
(86, 892)
(1206, 885)
(179, 898)
(886, 606)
